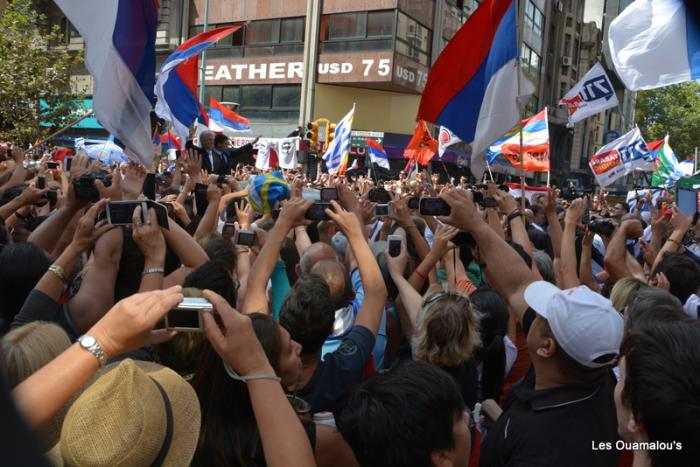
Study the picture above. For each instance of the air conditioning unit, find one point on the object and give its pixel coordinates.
(566, 61)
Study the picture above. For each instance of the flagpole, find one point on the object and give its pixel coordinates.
(204, 52)
(60, 131)
(488, 166)
(518, 28)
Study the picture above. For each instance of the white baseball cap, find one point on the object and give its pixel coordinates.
(584, 323)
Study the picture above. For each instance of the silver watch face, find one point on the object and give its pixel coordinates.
(87, 341)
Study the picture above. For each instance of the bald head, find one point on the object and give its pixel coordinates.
(317, 252)
(336, 277)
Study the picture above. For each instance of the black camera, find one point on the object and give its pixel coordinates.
(84, 186)
(605, 228)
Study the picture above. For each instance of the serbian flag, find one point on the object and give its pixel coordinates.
(177, 83)
(472, 88)
(226, 118)
(120, 55)
(377, 154)
(171, 140)
(422, 146)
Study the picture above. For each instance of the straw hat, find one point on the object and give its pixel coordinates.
(121, 419)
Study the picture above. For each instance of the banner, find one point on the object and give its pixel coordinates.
(619, 158)
(535, 144)
(592, 95)
(277, 152)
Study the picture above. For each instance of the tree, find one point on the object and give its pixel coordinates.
(673, 110)
(33, 67)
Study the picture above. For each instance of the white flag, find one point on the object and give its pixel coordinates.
(267, 152)
(287, 152)
(445, 140)
(619, 158)
(592, 95)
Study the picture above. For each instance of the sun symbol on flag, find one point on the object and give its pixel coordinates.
(444, 136)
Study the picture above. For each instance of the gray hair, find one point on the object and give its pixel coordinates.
(545, 266)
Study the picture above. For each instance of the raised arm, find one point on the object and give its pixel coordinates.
(291, 214)
(210, 219)
(127, 326)
(185, 247)
(569, 276)
(410, 298)
(508, 271)
(508, 205)
(370, 313)
(681, 223)
(149, 238)
(616, 253)
(585, 272)
(284, 440)
(555, 232)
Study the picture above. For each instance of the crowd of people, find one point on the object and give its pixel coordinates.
(502, 332)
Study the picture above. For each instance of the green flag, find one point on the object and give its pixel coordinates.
(666, 172)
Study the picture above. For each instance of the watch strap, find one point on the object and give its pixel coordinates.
(94, 349)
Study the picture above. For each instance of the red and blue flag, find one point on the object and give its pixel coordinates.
(472, 88)
(227, 118)
(120, 55)
(177, 83)
(377, 154)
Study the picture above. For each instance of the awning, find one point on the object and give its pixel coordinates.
(84, 106)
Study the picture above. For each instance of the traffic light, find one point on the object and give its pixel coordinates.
(330, 134)
(312, 135)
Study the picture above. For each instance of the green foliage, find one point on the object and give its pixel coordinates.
(674, 110)
(32, 68)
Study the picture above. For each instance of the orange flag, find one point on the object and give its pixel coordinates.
(422, 146)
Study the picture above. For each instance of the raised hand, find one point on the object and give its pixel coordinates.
(148, 236)
(88, 229)
(345, 220)
(128, 325)
(463, 212)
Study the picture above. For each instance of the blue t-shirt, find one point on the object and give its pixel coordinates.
(339, 372)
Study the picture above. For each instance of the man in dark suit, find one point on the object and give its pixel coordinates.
(235, 156)
(213, 160)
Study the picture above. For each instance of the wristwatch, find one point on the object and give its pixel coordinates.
(90, 344)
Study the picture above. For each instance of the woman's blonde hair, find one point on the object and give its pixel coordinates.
(623, 291)
(447, 330)
(28, 348)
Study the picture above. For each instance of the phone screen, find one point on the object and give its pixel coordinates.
(413, 202)
(228, 231)
(382, 210)
(434, 207)
(122, 212)
(394, 245)
(161, 213)
(245, 238)
(41, 182)
(200, 198)
(67, 163)
(149, 186)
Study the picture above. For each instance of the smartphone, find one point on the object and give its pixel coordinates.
(41, 182)
(200, 198)
(187, 316)
(434, 207)
(489, 202)
(244, 237)
(67, 163)
(122, 212)
(478, 197)
(52, 165)
(149, 186)
(382, 210)
(586, 217)
(317, 212)
(228, 231)
(379, 195)
(413, 202)
(394, 245)
(329, 194)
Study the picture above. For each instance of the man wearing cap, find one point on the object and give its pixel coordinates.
(563, 410)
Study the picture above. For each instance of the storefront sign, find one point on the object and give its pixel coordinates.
(270, 70)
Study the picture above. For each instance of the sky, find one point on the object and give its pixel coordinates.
(594, 12)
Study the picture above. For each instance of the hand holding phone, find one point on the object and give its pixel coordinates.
(317, 212)
(434, 207)
(244, 238)
(394, 245)
(187, 315)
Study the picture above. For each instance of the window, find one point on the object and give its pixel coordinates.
(286, 96)
(569, 21)
(530, 61)
(231, 94)
(347, 26)
(372, 30)
(534, 19)
(256, 96)
(575, 54)
(292, 30)
(380, 24)
(567, 45)
(413, 39)
(263, 32)
(563, 89)
(211, 91)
